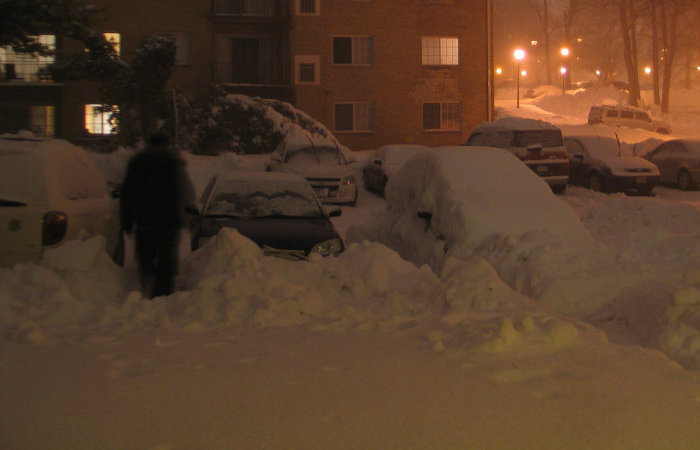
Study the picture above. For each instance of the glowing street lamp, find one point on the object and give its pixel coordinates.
(562, 71)
(499, 71)
(647, 70)
(519, 55)
(564, 54)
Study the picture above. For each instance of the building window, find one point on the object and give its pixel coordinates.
(244, 60)
(244, 7)
(115, 40)
(440, 51)
(442, 116)
(356, 50)
(98, 121)
(26, 67)
(43, 119)
(355, 117)
(307, 69)
(308, 7)
(182, 47)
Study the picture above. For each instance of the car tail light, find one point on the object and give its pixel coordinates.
(54, 227)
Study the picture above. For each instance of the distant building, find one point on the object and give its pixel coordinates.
(373, 71)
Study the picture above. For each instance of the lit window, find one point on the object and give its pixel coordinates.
(442, 116)
(307, 69)
(353, 50)
(24, 66)
(98, 121)
(354, 117)
(440, 51)
(42, 120)
(115, 40)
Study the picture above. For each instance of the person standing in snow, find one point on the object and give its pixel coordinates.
(155, 194)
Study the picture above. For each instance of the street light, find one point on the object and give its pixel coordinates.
(519, 55)
(562, 71)
(564, 54)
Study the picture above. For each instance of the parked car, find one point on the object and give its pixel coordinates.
(538, 144)
(627, 117)
(384, 162)
(51, 192)
(678, 161)
(278, 211)
(326, 165)
(601, 163)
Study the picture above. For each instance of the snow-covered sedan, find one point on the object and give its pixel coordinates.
(325, 164)
(602, 163)
(52, 192)
(277, 211)
(384, 162)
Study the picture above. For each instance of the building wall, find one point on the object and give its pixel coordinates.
(396, 82)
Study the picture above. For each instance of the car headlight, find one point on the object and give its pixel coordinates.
(348, 180)
(325, 248)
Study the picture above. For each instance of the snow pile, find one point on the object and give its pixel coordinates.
(579, 104)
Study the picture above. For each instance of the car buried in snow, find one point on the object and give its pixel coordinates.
(278, 211)
(52, 192)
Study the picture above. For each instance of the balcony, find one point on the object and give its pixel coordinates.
(251, 10)
(270, 82)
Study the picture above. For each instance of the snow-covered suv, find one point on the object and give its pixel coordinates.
(626, 117)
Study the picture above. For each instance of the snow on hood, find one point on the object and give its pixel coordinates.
(616, 155)
(298, 138)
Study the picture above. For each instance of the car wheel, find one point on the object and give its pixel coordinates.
(595, 182)
(685, 182)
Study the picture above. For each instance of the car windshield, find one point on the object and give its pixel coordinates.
(546, 138)
(324, 156)
(261, 198)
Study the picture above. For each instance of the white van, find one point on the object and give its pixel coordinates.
(621, 116)
(51, 192)
(537, 143)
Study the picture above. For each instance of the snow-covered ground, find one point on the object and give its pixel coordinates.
(369, 350)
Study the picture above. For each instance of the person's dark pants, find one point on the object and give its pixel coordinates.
(157, 255)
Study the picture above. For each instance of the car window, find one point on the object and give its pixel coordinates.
(611, 113)
(476, 139)
(627, 114)
(502, 139)
(261, 198)
(642, 116)
(315, 156)
(661, 152)
(574, 148)
(544, 137)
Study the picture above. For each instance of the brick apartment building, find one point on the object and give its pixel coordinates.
(373, 71)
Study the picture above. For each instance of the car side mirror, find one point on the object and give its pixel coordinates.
(427, 217)
(334, 212)
(117, 191)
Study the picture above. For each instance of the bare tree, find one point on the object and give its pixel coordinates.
(543, 17)
(627, 25)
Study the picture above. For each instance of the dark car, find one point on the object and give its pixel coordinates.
(601, 163)
(678, 161)
(385, 161)
(278, 211)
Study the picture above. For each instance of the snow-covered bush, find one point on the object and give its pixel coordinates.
(241, 124)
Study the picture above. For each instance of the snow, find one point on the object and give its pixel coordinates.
(568, 321)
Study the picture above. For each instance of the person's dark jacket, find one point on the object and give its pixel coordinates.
(156, 191)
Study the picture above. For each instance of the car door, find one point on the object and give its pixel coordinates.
(661, 157)
(577, 161)
(676, 161)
